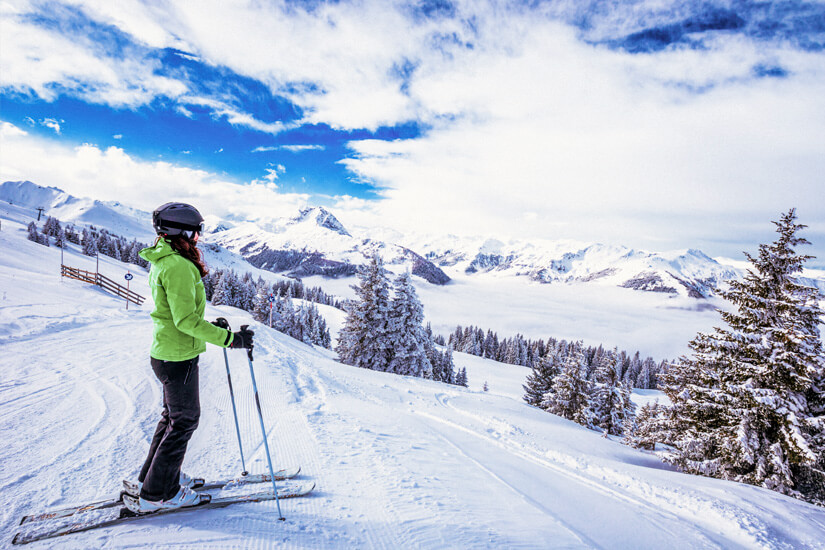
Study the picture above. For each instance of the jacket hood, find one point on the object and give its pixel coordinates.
(154, 253)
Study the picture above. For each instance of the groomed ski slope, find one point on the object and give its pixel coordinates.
(398, 462)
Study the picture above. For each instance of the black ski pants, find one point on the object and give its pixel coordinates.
(181, 412)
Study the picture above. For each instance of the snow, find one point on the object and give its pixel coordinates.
(117, 218)
(399, 462)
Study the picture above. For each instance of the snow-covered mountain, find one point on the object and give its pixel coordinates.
(313, 242)
(684, 273)
(316, 243)
(116, 217)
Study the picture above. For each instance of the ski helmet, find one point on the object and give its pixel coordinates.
(173, 218)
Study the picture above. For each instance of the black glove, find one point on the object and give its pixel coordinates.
(242, 338)
(221, 322)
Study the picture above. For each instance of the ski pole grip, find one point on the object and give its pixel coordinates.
(221, 322)
(249, 349)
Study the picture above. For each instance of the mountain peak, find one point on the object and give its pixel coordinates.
(321, 217)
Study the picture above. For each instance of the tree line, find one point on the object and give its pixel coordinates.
(633, 371)
(588, 391)
(304, 322)
(91, 241)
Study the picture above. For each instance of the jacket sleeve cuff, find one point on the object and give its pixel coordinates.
(228, 339)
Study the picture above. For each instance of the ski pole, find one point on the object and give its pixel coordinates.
(221, 322)
(263, 429)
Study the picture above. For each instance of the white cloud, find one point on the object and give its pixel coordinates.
(558, 139)
(271, 175)
(290, 148)
(34, 59)
(112, 174)
(9, 130)
(117, 136)
(52, 123)
(533, 132)
(235, 117)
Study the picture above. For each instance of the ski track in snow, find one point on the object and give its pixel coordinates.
(398, 462)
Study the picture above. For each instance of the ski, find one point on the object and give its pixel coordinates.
(130, 487)
(116, 516)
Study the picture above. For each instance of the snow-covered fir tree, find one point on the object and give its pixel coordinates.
(610, 401)
(540, 380)
(645, 380)
(406, 332)
(230, 291)
(72, 236)
(33, 233)
(747, 394)
(461, 377)
(88, 243)
(260, 302)
(569, 396)
(653, 424)
(443, 367)
(51, 227)
(60, 239)
(363, 339)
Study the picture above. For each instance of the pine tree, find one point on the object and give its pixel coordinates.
(644, 380)
(33, 235)
(540, 380)
(746, 394)
(89, 243)
(60, 239)
(569, 396)
(51, 227)
(653, 424)
(363, 339)
(260, 303)
(406, 333)
(461, 377)
(222, 295)
(610, 401)
(448, 368)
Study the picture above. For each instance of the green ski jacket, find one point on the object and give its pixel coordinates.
(180, 331)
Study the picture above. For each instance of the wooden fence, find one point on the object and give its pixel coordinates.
(103, 282)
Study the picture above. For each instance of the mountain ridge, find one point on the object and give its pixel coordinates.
(315, 242)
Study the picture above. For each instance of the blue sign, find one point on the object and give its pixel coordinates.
(271, 298)
(128, 277)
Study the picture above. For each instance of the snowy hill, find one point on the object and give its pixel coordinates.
(398, 462)
(114, 216)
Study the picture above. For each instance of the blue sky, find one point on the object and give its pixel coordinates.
(652, 124)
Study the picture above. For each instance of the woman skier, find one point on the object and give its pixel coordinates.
(179, 337)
